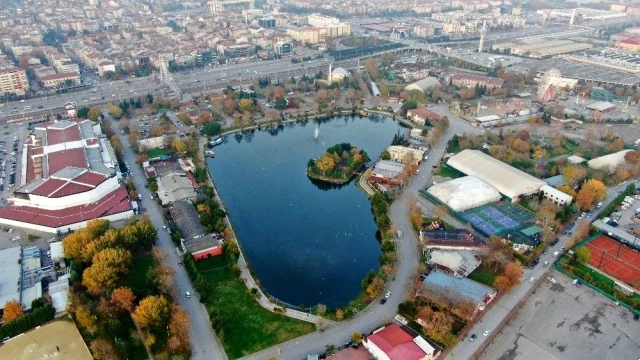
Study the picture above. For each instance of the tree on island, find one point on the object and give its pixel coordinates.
(338, 164)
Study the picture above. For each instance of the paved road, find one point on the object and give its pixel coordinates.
(408, 258)
(495, 315)
(204, 344)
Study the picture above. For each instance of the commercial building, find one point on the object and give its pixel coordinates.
(470, 80)
(459, 263)
(386, 172)
(423, 85)
(21, 275)
(68, 177)
(13, 81)
(218, 7)
(395, 342)
(175, 187)
(458, 289)
(608, 162)
(405, 154)
(449, 239)
(59, 80)
(556, 196)
(464, 193)
(509, 181)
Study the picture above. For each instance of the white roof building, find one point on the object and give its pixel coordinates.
(556, 196)
(508, 180)
(464, 193)
(600, 105)
(423, 85)
(10, 274)
(458, 262)
(608, 162)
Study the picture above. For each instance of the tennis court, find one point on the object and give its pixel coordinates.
(616, 259)
(497, 218)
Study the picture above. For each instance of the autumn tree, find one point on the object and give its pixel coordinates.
(583, 255)
(614, 146)
(74, 243)
(325, 163)
(567, 190)
(153, 312)
(372, 68)
(599, 189)
(108, 266)
(179, 146)
(339, 314)
(245, 105)
(375, 287)
(12, 310)
(321, 309)
(122, 298)
(546, 216)
(103, 349)
(86, 318)
(356, 337)
(585, 198)
(114, 111)
(94, 113)
(510, 277)
(278, 92)
(178, 329)
(573, 174)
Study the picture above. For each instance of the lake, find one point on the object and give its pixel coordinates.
(307, 244)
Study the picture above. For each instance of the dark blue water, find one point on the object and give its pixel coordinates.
(306, 245)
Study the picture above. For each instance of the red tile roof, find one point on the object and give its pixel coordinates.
(91, 178)
(424, 113)
(49, 187)
(631, 41)
(61, 159)
(70, 189)
(397, 343)
(56, 136)
(113, 203)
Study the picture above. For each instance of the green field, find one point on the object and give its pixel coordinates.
(484, 274)
(156, 152)
(245, 326)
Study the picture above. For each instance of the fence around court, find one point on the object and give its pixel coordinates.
(565, 257)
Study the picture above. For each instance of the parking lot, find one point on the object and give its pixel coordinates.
(578, 71)
(562, 321)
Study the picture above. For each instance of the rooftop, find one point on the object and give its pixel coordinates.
(464, 193)
(460, 287)
(399, 344)
(10, 274)
(460, 262)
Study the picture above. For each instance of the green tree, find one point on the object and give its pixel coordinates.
(583, 255)
(82, 112)
(211, 128)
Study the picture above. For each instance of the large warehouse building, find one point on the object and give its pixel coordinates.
(464, 193)
(509, 181)
(68, 177)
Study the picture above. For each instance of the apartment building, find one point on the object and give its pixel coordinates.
(13, 81)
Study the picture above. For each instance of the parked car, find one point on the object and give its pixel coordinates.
(551, 279)
(384, 300)
(473, 337)
(486, 332)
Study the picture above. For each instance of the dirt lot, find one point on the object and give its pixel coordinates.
(561, 321)
(41, 344)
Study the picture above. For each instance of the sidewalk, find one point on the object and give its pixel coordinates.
(363, 184)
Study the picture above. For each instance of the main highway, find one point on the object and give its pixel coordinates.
(190, 82)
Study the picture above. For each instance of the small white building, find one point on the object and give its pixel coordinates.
(556, 196)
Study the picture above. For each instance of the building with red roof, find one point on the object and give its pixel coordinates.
(68, 177)
(421, 115)
(399, 343)
(631, 44)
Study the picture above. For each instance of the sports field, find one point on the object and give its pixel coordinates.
(616, 259)
(497, 218)
(41, 344)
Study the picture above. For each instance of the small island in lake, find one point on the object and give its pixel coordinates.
(338, 164)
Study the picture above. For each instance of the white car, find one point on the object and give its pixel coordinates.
(387, 295)
(551, 279)
(486, 332)
(532, 279)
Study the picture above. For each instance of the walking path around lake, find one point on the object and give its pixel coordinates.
(362, 181)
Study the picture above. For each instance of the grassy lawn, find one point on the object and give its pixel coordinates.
(246, 327)
(157, 152)
(140, 275)
(484, 274)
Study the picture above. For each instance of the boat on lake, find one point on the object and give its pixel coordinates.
(215, 141)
